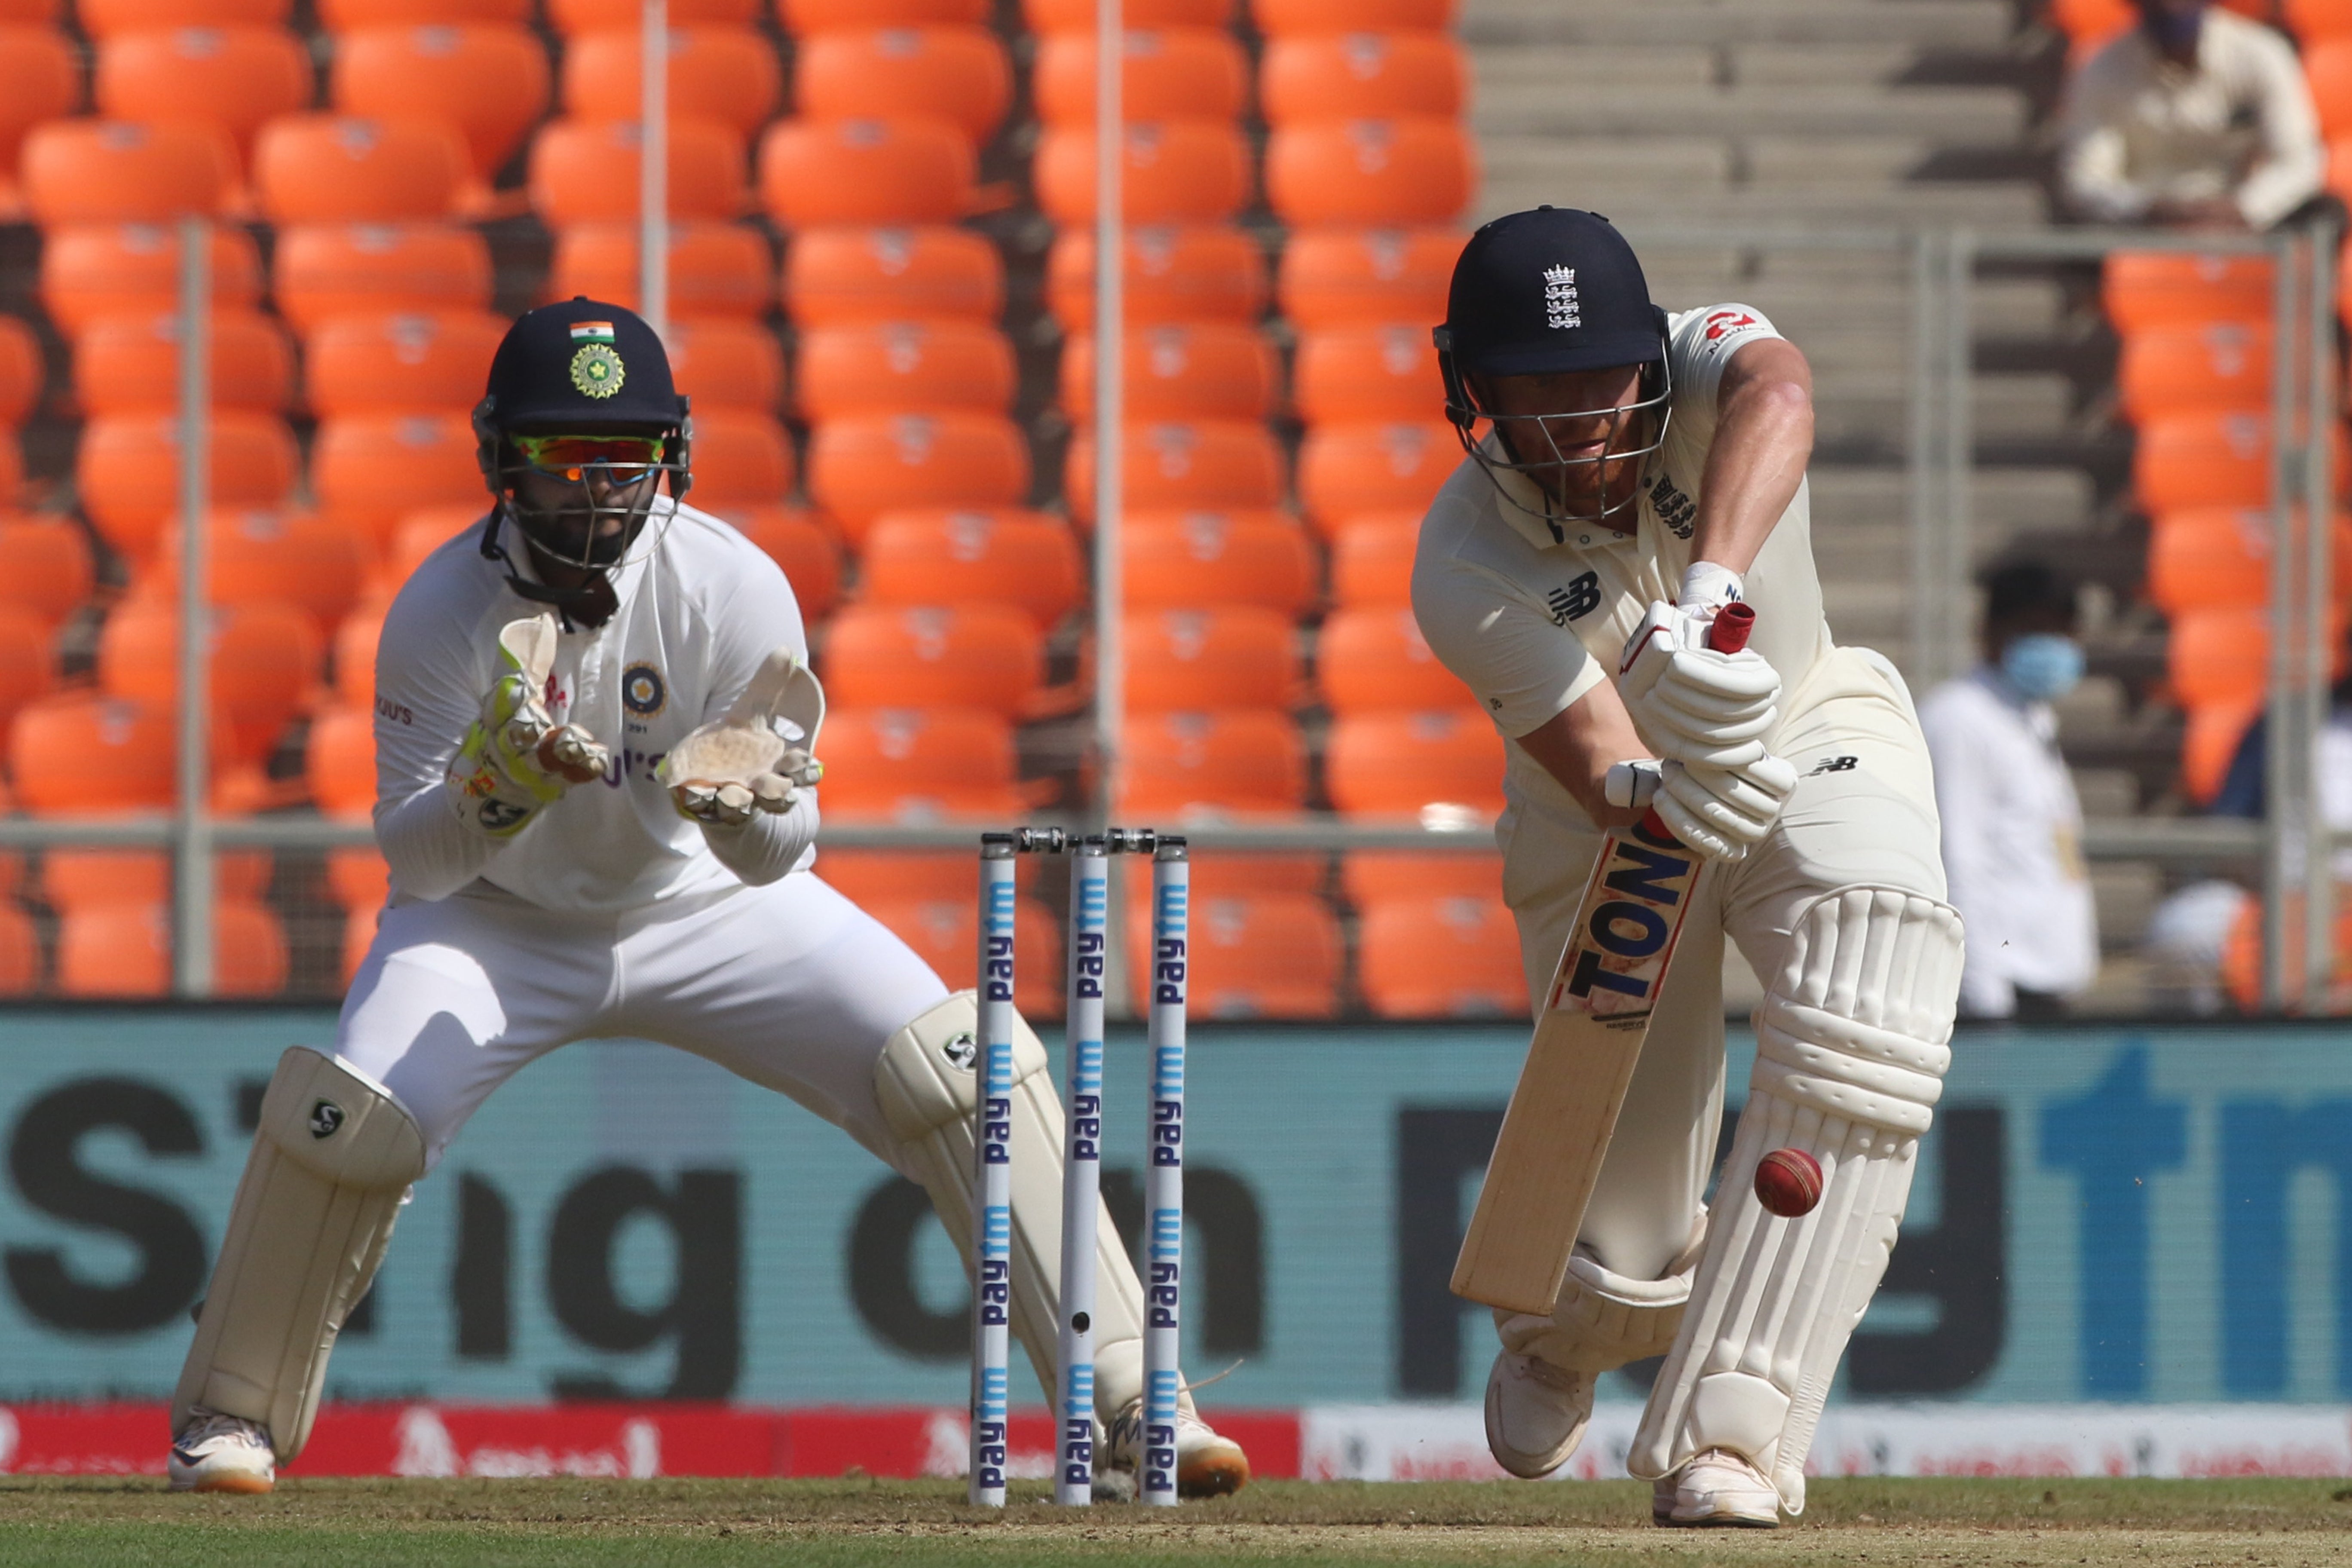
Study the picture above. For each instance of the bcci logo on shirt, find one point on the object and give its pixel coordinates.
(1560, 307)
(642, 691)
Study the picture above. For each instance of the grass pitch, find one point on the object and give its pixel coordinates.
(915, 1524)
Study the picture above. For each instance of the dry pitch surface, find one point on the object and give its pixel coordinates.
(2145, 1524)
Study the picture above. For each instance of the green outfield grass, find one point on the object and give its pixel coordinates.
(2145, 1524)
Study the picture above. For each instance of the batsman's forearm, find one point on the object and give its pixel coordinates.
(431, 853)
(1763, 439)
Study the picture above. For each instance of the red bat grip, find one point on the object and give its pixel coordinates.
(1733, 625)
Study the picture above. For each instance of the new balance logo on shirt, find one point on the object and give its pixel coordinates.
(1578, 600)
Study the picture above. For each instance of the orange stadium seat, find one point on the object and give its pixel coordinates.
(12, 470)
(1362, 76)
(1175, 172)
(722, 362)
(1227, 759)
(715, 268)
(2188, 461)
(308, 563)
(944, 931)
(2314, 20)
(740, 457)
(834, 277)
(1384, 764)
(264, 660)
(1309, 18)
(1371, 876)
(1376, 661)
(27, 660)
(807, 17)
(51, 572)
(960, 75)
(585, 171)
(112, 269)
(729, 74)
(1347, 470)
(865, 876)
(375, 269)
(128, 470)
(1197, 274)
(2183, 369)
(2155, 288)
(234, 77)
(1372, 559)
(131, 364)
(860, 467)
(2223, 655)
(1049, 18)
(415, 536)
(1176, 560)
(836, 172)
(799, 547)
(1410, 170)
(22, 372)
(2089, 21)
(2327, 68)
(2213, 733)
(358, 878)
(1237, 874)
(1258, 955)
(1202, 464)
(414, 362)
(80, 878)
(909, 367)
(115, 171)
(1176, 73)
(369, 470)
(1385, 372)
(105, 18)
(326, 168)
(574, 17)
(80, 752)
(125, 950)
(2221, 555)
(20, 953)
(354, 645)
(1441, 958)
(911, 764)
(1180, 370)
(487, 80)
(351, 16)
(970, 654)
(1231, 655)
(40, 79)
(1025, 559)
(1366, 276)
(339, 762)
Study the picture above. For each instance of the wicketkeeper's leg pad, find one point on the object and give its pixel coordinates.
(1602, 1320)
(929, 1092)
(1851, 1045)
(331, 1164)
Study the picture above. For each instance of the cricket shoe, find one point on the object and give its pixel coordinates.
(1206, 1464)
(1717, 1489)
(1536, 1414)
(222, 1453)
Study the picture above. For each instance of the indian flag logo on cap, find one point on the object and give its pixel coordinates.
(591, 332)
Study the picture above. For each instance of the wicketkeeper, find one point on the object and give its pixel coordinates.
(1630, 473)
(595, 725)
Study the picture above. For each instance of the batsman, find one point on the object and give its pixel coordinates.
(594, 729)
(1630, 472)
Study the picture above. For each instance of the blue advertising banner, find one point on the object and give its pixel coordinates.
(2103, 1215)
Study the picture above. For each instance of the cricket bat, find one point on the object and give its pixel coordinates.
(1587, 1039)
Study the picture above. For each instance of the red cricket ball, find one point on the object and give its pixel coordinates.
(1789, 1182)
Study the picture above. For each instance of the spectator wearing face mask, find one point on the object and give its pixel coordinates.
(2196, 119)
(2012, 826)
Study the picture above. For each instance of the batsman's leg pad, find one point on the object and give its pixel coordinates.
(1852, 1044)
(331, 1161)
(929, 1092)
(1603, 1321)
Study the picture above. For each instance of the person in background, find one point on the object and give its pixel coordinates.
(2197, 118)
(2012, 827)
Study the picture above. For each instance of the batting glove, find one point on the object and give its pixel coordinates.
(516, 760)
(1722, 813)
(1693, 704)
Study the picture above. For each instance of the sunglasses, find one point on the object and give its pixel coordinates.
(571, 456)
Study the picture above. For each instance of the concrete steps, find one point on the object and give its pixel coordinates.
(1977, 25)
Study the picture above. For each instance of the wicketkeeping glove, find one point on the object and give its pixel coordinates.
(726, 770)
(516, 759)
(1692, 703)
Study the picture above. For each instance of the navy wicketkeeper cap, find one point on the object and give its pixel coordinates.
(1554, 289)
(579, 364)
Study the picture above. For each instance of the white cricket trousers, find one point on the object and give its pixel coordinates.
(1864, 811)
(790, 985)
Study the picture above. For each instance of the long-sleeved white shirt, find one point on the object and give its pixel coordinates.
(699, 607)
(2012, 844)
(2136, 129)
